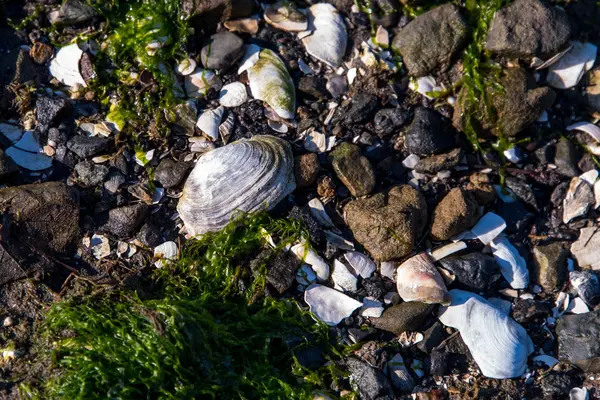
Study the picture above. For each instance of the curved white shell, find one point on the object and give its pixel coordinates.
(417, 279)
(243, 176)
(309, 256)
(329, 305)
(186, 67)
(250, 57)
(65, 66)
(200, 82)
(569, 70)
(327, 34)
(270, 82)
(27, 153)
(285, 17)
(209, 122)
(512, 266)
(233, 95)
(317, 210)
(361, 263)
(499, 345)
(165, 252)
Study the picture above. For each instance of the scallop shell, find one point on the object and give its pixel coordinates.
(244, 176)
(233, 95)
(285, 16)
(198, 83)
(65, 66)
(327, 37)
(270, 82)
(417, 279)
(498, 344)
(329, 305)
(512, 266)
(209, 122)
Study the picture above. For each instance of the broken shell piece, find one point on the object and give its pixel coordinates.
(569, 70)
(512, 266)
(446, 250)
(309, 256)
(587, 284)
(65, 66)
(488, 227)
(200, 144)
(270, 82)
(424, 85)
(579, 394)
(100, 246)
(198, 83)
(143, 158)
(285, 16)
(279, 127)
(371, 308)
(545, 359)
(382, 37)
(577, 306)
(209, 122)
(233, 95)
(316, 142)
(329, 305)
(317, 210)
(407, 339)
(539, 64)
(343, 279)
(498, 344)
(590, 176)
(164, 253)
(305, 275)
(186, 67)
(250, 57)
(419, 280)
(327, 37)
(27, 153)
(401, 378)
(361, 263)
(578, 199)
(589, 128)
(338, 241)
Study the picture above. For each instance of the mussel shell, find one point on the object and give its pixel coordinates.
(328, 37)
(244, 176)
(417, 279)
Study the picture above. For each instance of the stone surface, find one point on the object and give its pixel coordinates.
(437, 163)
(586, 249)
(41, 52)
(428, 133)
(385, 12)
(282, 271)
(551, 265)
(592, 90)
(473, 271)
(313, 87)
(432, 40)
(388, 121)
(458, 211)
(208, 13)
(566, 158)
(403, 317)
(372, 383)
(432, 337)
(387, 224)
(579, 340)
(49, 110)
(150, 235)
(7, 167)
(72, 12)
(123, 222)
(362, 109)
(85, 147)
(222, 51)
(528, 28)
(527, 310)
(306, 169)
(90, 174)
(354, 170)
(170, 173)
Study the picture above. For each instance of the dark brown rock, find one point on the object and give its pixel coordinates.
(306, 169)
(354, 170)
(551, 265)
(457, 212)
(404, 317)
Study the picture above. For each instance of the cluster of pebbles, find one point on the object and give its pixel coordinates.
(463, 274)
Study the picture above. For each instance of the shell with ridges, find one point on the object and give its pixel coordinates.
(244, 176)
(417, 279)
(327, 37)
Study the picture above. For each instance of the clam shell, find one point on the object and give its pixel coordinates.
(512, 266)
(226, 127)
(571, 67)
(244, 176)
(209, 122)
(498, 344)
(329, 305)
(327, 36)
(270, 82)
(233, 95)
(317, 210)
(361, 263)
(343, 279)
(165, 253)
(309, 256)
(186, 66)
(417, 279)
(285, 16)
(198, 83)
(65, 66)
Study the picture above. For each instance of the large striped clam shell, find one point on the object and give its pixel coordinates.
(246, 176)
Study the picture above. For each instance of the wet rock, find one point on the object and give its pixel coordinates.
(586, 249)
(354, 170)
(551, 265)
(432, 40)
(389, 120)
(90, 174)
(404, 317)
(49, 110)
(306, 169)
(528, 28)
(123, 222)
(313, 87)
(579, 340)
(72, 12)
(387, 224)
(150, 235)
(438, 362)
(385, 12)
(428, 133)
(523, 191)
(27, 71)
(437, 163)
(41, 52)
(432, 337)
(474, 272)
(481, 187)
(527, 310)
(362, 109)
(43, 215)
(222, 51)
(566, 158)
(170, 173)
(58, 136)
(185, 117)
(85, 147)
(372, 383)
(458, 211)
(282, 271)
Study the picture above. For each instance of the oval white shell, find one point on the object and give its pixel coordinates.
(329, 305)
(233, 95)
(417, 279)
(200, 82)
(186, 66)
(361, 263)
(327, 36)
(285, 17)
(499, 345)
(65, 66)
(512, 266)
(270, 82)
(243, 176)
(309, 256)
(209, 122)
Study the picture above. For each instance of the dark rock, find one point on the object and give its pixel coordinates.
(374, 287)
(184, 119)
(566, 158)
(26, 70)
(114, 181)
(310, 357)
(337, 85)
(282, 271)
(208, 13)
(41, 52)
(403, 317)
(85, 147)
(72, 12)
(8, 167)
(437, 163)
(592, 90)
(555, 385)
(123, 222)
(439, 363)
(303, 215)
(527, 310)
(170, 173)
(49, 110)
(558, 194)
(313, 87)
(391, 168)
(481, 187)
(372, 383)
(551, 265)
(579, 340)
(523, 191)
(428, 133)
(354, 170)
(528, 28)
(306, 169)
(43, 215)
(457, 212)
(222, 51)
(57, 136)
(362, 109)
(360, 335)
(431, 41)
(474, 271)
(516, 216)
(150, 235)
(90, 174)
(545, 154)
(389, 120)
(387, 224)
(385, 12)
(432, 337)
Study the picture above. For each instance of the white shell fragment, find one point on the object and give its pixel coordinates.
(448, 249)
(569, 70)
(371, 308)
(343, 279)
(488, 227)
(401, 378)
(417, 279)
(165, 252)
(317, 210)
(285, 16)
(424, 85)
(186, 67)
(100, 246)
(512, 266)
(329, 305)
(27, 153)
(578, 199)
(361, 263)
(233, 95)
(270, 82)
(243, 176)
(65, 66)
(250, 57)
(316, 142)
(579, 394)
(200, 82)
(577, 306)
(549, 361)
(326, 37)
(309, 256)
(338, 241)
(499, 345)
(586, 249)
(592, 130)
(209, 122)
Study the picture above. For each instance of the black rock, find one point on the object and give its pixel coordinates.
(517, 217)
(57, 136)
(374, 287)
(222, 51)
(579, 340)
(114, 180)
(48, 110)
(362, 109)
(428, 133)
(526, 310)
(566, 158)
(337, 85)
(282, 271)
(545, 154)
(389, 120)
(360, 335)
(123, 222)
(313, 87)
(523, 191)
(439, 363)
(150, 235)
(170, 173)
(310, 357)
(372, 383)
(314, 228)
(8, 167)
(556, 385)
(403, 317)
(85, 147)
(90, 174)
(72, 12)
(385, 12)
(432, 337)
(588, 286)
(558, 194)
(474, 272)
